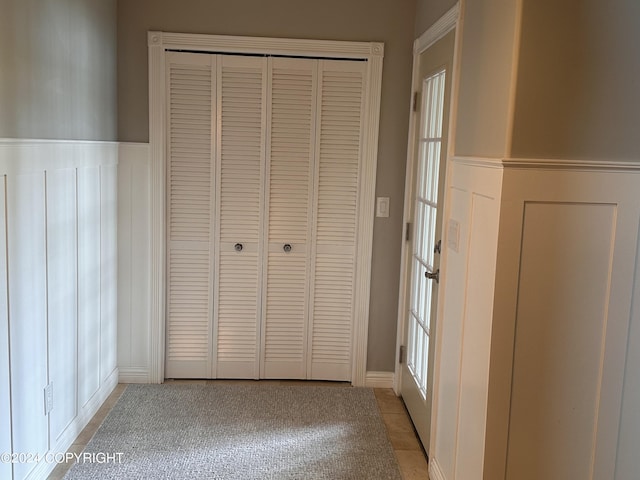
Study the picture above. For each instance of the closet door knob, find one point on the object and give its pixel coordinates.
(238, 247)
(286, 247)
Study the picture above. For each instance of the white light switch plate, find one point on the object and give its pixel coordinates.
(382, 207)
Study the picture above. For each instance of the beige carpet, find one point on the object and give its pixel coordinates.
(240, 432)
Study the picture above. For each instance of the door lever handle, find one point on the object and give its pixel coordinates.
(433, 275)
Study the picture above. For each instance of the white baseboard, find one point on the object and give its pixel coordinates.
(435, 472)
(134, 375)
(379, 379)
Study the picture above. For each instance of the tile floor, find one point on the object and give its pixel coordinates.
(409, 453)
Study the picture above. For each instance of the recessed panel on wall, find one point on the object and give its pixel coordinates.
(89, 278)
(126, 207)
(5, 398)
(133, 262)
(27, 314)
(62, 295)
(561, 324)
(476, 334)
(450, 332)
(108, 270)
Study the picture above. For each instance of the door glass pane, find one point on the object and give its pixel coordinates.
(425, 213)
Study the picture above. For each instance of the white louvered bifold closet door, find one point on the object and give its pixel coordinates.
(242, 87)
(290, 189)
(263, 171)
(339, 125)
(191, 108)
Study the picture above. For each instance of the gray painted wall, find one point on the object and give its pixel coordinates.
(357, 20)
(578, 94)
(486, 66)
(58, 69)
(428, 12)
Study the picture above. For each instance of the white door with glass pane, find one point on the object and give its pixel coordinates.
(424, 266)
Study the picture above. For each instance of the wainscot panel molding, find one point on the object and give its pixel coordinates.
(541, 261)
(564, 291)
(5, 372)
(487, 162)
(627, 454)
(57, 293)
(580, 165)
(461, 371)
(134, 262)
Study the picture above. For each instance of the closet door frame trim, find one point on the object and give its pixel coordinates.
(372, 52)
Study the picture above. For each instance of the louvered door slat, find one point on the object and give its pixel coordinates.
(291, 132)
(188, 351)
(241, 96)
(339, 117)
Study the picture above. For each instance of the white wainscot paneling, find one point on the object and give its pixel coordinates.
(27, 313)
(134, 253)
(62, 280)
(536, 367)
(5, 378)
(568, 319)
(476, 336)
(58, 328)
(89, 288)
(627, 458)
(449, 341)
(561, 317)
(108, 270)
(464, 334)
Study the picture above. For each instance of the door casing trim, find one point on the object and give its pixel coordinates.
(437, 31)
(451, 20)
(372, 52)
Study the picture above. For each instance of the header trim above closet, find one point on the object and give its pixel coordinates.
(266, 55)
(159, 43)
(266, 46)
